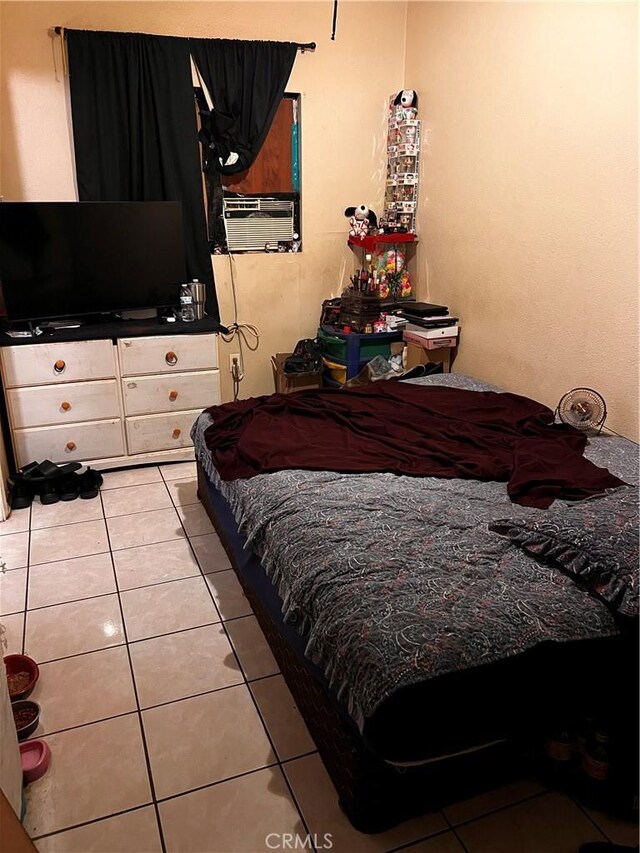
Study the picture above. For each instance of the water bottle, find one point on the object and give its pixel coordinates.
(187, 314)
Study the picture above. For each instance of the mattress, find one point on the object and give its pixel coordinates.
(487, 684)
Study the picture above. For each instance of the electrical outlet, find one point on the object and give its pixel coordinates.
(235, 356)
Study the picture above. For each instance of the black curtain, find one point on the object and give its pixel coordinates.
(246, 80)
(135, 131)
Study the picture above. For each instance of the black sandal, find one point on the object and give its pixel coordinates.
(89, 482)
(47, 491)
(68, 487)
(21, 493)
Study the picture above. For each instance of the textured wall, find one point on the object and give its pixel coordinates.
(343, 129)
(529, 193)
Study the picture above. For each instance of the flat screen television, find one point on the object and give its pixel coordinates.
(69, 259)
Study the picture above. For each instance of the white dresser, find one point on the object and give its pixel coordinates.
(111, 402)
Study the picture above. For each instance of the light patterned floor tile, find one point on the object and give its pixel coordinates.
(550, 823)
(256, 811)
(288, 730)
(131, 499)
(204, 739)
(132, 832)
(95, 771)
(151, 564)
(178, 470)
(174, 606)
(73, 628)
(183, 664)
(195, 519)
(210, 553)
(183, 492)
(17, 522)
(72, 540)
(13, 591)
(492, 800)
(13, 630)
(130, 477)
(64, 512)
(251, 647)
(228, 595)
(144, 528)
(69, 580)
(14, 550)
(318, 801)
(84, 689)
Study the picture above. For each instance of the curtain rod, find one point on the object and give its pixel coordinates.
(301, 47)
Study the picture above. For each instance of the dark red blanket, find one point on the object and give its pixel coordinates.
(408, 429)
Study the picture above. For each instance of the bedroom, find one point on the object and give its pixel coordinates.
(528, 209)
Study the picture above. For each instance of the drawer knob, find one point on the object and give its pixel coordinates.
(65, 406)
(59, 366)
(71, 445)
(176, 432)
(173, 395)
(171, 357)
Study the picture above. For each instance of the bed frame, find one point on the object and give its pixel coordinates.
(374, 794)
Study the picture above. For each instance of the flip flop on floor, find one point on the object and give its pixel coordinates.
(68, 487)
(89, 482)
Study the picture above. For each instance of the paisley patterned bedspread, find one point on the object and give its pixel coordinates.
(394, 580)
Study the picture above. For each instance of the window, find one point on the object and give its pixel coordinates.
(260, 207)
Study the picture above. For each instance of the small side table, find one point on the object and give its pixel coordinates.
(430, 353)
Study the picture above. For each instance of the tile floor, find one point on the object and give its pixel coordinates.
(169, 724)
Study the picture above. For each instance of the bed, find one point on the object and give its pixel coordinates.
(427, 653)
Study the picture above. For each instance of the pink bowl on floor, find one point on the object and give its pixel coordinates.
(35, 756)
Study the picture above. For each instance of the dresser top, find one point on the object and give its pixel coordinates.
(115, 329)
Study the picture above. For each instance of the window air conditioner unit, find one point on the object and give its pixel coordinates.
(250, 223)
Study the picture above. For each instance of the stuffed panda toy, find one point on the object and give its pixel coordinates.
(361, 219)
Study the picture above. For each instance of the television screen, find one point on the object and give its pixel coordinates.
(66, 259)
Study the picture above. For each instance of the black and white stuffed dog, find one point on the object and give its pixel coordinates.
(361, 219)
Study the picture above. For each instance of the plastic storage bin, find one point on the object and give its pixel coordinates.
(352, 351)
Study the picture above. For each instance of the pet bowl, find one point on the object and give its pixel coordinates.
(22, 675)
(34, 757)
(26, 716)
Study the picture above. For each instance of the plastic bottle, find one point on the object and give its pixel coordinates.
(187, 314)
(559, 751)
(594, 784)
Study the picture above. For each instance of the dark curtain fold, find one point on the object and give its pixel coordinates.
(246, 81)
(135, 130)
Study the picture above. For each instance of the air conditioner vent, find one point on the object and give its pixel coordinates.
(250, 223)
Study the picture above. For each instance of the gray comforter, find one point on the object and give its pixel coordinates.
(394, 580)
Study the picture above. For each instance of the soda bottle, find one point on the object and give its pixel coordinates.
(595, 771)
(559, 751)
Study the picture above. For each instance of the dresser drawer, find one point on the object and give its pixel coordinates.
(69, 443)
(177, 392)
(63, 403)
(167, 354)
(42, 364)
(160, 432)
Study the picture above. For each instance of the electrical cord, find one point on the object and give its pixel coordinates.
(248, 334)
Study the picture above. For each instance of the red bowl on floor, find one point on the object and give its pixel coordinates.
(22, 675)
(26, 716)
(34, 757)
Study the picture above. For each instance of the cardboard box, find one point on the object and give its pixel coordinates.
(287, 383)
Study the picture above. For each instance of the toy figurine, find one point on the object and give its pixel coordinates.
(361, 219)
(407, 98)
